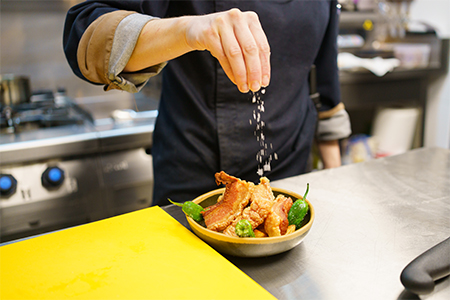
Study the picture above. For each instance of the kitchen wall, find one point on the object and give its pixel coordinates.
(31, 34)
(31, 45)
(437, 122)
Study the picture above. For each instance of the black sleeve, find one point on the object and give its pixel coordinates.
(80, 16)
(326, 63)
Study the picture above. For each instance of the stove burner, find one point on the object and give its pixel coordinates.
(42, 114)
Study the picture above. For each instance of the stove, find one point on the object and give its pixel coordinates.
(42, 114)
(61, 167)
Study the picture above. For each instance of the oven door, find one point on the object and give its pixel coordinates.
(127, 180)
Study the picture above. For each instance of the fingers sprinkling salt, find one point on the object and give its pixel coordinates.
(263, 157)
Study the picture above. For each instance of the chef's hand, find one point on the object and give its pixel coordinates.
(238, 42)
(234, 37)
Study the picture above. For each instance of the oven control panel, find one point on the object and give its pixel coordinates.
(34, 183)
(52, 178)
(49, 195)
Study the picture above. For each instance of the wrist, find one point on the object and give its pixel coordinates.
(192, 29)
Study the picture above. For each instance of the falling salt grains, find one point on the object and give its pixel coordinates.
(261, 108)
(262, 156)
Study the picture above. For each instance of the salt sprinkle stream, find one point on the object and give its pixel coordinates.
(263, 157)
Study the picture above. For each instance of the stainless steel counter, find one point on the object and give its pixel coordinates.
(372, 219)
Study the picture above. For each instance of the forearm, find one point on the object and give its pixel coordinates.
(119, 42)
(160, 40)
(236, 39)
(330, 153)
(332, 127)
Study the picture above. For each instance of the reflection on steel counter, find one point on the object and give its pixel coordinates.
(59, 174)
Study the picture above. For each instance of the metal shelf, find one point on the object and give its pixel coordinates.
(352, 19)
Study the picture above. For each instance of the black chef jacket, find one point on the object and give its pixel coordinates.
(204, 123)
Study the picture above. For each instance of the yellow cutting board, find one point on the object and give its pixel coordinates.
(141, 255)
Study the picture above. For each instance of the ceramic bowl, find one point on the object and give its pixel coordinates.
(250, 247)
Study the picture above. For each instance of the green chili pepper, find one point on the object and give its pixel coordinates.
(298, 210)
(244, 229)
(191, 209)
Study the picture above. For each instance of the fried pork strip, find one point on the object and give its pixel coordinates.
(236, 196)
(277, 222)
(261, 203)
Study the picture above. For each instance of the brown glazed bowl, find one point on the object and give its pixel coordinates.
(250, 247)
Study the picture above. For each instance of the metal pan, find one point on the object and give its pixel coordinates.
(14, 89)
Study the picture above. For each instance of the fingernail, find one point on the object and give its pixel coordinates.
(265, 80)
(244, 88)
(255, 86)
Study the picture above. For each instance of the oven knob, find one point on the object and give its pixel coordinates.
(52, 177)
(8, 185)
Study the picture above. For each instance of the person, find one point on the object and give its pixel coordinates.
(215, 58)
